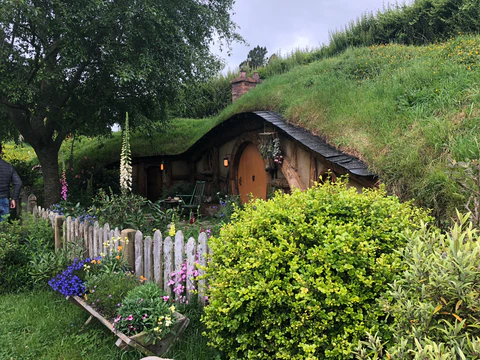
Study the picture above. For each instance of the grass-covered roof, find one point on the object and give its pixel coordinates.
(404, 110)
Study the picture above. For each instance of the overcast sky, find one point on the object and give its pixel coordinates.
(284, 25)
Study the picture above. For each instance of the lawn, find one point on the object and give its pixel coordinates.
(43, 325)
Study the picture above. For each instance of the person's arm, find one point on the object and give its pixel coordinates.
(17, 186)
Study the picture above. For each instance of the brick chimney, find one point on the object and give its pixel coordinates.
(242, 84)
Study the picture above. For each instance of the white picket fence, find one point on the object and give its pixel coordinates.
(158, 259)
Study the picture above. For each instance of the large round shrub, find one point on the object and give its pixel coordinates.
(297, 277)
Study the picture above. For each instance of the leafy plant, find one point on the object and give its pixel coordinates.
(228, 205)
(105, 291)
(299, 276)
(467, 175)
(435, 301)
(125, 210)
(19, 245)
(147, 309)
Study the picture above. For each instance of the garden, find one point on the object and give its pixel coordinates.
(327, 273)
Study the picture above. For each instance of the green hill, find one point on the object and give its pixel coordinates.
(404, 110)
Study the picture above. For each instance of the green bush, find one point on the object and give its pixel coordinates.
(20, 244)
(435, 303)
(107, 289)
(298, 276)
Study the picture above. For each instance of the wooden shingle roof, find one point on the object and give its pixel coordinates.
(317, 144)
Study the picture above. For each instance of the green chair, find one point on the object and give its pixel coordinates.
(192, 202)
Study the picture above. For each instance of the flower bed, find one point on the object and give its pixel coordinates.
(138, 312)
(140, 341)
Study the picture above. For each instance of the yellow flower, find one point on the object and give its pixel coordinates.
(171, 232)
(120, 247)
(172, 308)
(117, 257)
(142, 278)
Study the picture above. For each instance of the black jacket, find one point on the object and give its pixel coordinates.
(8, 176)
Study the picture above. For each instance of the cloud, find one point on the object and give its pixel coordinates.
(285, 25)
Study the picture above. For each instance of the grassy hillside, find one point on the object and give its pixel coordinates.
(404, 110)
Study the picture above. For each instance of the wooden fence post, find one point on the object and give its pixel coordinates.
(139, 254)
(58, 232)
(202, 262)
(179, 253)
(32, 203)
(191, 254)
(158, 258)
(129, 246)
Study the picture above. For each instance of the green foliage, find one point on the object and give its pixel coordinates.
(125, 210)
(467, 175)
(205, 99)
(20, 247)
(145, 309)
(99, 74)
(434, 302)
(298, 276)
(256, 58)
(228, 205)
(105, 290)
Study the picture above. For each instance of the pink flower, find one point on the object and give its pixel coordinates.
(166, 298)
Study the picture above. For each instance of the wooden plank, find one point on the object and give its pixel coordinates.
(58, 233)
(96, 231)
(313, 171)
(138, 254)
(202, 262)
(168, 269)
(191, 257)
(117, 238)
(85, 238)
(106, 233)
(179, 255)
(100, 241)
(75, 232)
(147, 258)
(111, 241)
(79, 302)
(157, 257)
(90, 241)
(69, 238)
(290, 173)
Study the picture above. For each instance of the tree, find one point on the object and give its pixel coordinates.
(257, 57)
(78, 66)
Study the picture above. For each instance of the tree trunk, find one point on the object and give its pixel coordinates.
(48, 157)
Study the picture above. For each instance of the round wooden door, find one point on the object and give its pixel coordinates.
(251, 176)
